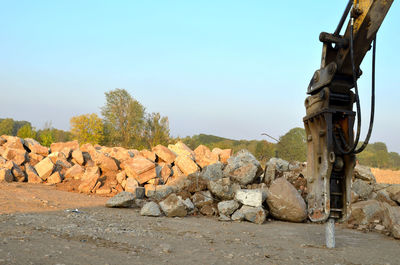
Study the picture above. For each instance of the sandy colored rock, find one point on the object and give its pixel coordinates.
(6, 175)
(19, 156)
(121, 176)
(181, 149)
(173, 206)
(285, 203)
(223, 154)
(208, 210)
(204, 157)
(77, 156)
(13, 142)
(33, 158)
(165, 172)
(105, 163)
(17, 171)
(104, 190)
(74, 172)
(90, 179)
(33, 176)
(140, 169)
(54, 178)
(364, 173)
(164, 153)
(58, 147)
(36, 147)
(131, 185)
(148, 154)
(2, 141)
(186, 165)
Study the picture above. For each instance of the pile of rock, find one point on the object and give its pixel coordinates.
(374, 206)
(234, 191)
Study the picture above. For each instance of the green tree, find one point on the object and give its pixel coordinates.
(156, 130)
(292, 146)
(26, 131)
(87, 128)
(6, 127)
(124, 118)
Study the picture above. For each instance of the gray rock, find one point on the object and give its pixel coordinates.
(227, 207)
(189, 205)
(237, 216)
(140, 192)
(173, 206)
(224, 218)
(254, 214)
(383, 196)
(150, 209)
(243, 168)
(6, 175)
(364, 173)
(161, 192)
(279, 164)
(202, 198)
(275, 167)
(366, 212)
(362, 188)
(213, 172)
(223, 188)
(122, 200)
(285, 203)
(380, 186)
(392, 219)
(253, 198)
(394, 192)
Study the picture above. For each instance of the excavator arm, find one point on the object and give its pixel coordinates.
(329, 120)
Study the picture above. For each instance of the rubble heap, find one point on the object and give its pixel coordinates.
(176, 181)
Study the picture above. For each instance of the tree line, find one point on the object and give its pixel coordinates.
(124, 122)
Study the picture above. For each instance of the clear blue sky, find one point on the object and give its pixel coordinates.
(228, 68)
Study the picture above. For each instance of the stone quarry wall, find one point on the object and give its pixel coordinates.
(177, 181)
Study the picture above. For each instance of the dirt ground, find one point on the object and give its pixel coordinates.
(39, 225)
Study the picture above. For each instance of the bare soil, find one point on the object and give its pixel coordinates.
(42, 225)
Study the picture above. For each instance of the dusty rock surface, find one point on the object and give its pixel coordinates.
(39, 225)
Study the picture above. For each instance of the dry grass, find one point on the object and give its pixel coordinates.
(386, 176)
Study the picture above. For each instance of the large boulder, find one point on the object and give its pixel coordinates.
(204, 157)
(164, 153)
(223, 188)
(364, 173)
(223, 154)
(60, 146)
(186, 165)
(202, 198)
(150, 209)
(366, 212)
(35, 147)
(122, 200)
(77, 157)
(243, 168)
(140, 169)
(74, 172)
(392, 220)
(150, 155)
(227, 207)
(255, 215)
(89, 180)
(6, 175)
(13, 142)
(158, 192)
(54, 178)
(285, 203)
(173, 206)
(384, 196)
(33, 176)
(19, 156)
(213, 172)
(181, 149)
(253, 198)
(362, 188)
(394, 192)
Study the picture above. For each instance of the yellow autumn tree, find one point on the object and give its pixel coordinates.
(87, 128)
